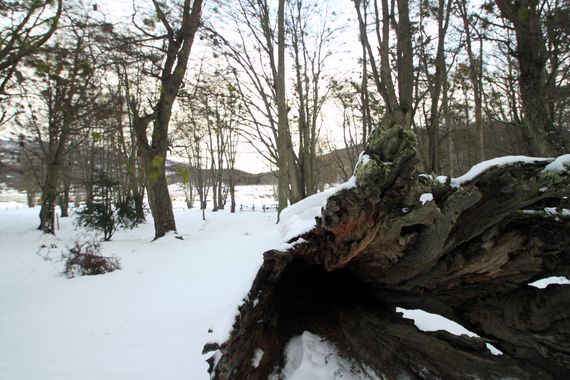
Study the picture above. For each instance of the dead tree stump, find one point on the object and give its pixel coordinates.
(467, 254)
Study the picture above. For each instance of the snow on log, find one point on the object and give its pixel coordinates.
(463, 249)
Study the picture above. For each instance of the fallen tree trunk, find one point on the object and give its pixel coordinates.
(465, 249)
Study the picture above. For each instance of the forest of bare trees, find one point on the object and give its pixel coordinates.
(85, 92)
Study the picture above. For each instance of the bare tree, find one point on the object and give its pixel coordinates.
(436, 56)
(285, 134)
(222, 110)
(26, 26)
(178, 40)
(472, 26)
(526, 18)
(436, 81)
(354, 108)
(231, 155)
(312, 31)
(192, 143)
(70, 95)
(251, 46)
(398, 96)
(284, 137)
(127, 141)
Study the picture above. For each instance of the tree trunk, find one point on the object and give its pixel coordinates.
(213, 177)
(443, 13)
(539, 132)
(138, 198)
(47, 211)
(467, 255)
(232, 185)
(399, 108)
(364, 94)
(449, 128)
(158, 195)
(475, 75)
(31, 198)
(49, 194)
(405, 65)
(64, 201)
(178, 47)
(220, 192)
(296, 185)
(283, 130)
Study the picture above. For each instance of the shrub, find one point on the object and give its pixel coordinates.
(85, 259)
(108, 210)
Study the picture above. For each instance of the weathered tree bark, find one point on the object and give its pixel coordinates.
(467, 255)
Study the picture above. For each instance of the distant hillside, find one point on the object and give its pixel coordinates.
(333, 167)
(12, 172)
(241, 177)
(337, 166)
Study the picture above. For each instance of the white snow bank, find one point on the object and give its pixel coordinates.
(299, 218)
(499, 161)
(543, 283)
(560, 164)
(433, 322)
(309, 357)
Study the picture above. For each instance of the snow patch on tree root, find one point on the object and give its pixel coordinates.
(310, 357)
(428, 322)
(555, 280)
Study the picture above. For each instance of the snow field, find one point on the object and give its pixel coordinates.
(149, 320)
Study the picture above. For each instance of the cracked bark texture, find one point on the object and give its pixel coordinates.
(467, 255)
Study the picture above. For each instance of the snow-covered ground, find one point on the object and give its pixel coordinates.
(149, 320)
